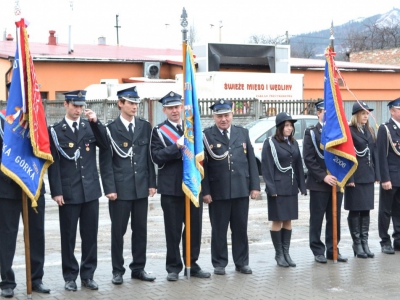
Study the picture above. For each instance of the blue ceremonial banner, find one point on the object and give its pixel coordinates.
(340, 157)
(26, 149)
(193, 154)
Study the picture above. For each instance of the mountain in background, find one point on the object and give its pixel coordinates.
(319, 40)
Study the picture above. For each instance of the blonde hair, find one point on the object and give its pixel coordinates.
(354, 122)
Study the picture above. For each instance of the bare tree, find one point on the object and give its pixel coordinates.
(269, 40)
(302, 49)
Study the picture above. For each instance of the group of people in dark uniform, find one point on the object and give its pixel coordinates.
(129, 149)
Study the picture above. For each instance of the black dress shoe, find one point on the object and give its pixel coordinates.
(320, 259)
(89, 284)
(70, 286)
(142, 275)
(40, 288)
(117, 279)
(339, 259)
(387, 249)
(172, 276)
(7, 293)
(244, 270)
(219, 270)
(199, 274)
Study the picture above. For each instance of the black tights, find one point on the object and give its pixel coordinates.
(356, 213)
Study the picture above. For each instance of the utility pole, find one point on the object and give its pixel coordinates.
(287, 37)
(116, 26)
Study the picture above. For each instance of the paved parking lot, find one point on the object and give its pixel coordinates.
(376, 278)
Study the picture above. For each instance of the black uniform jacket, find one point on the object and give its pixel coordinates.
(237, 174)
(169, 161)
(76, 182)
(368, 169)
(315, 164)
(389, 161)
(8, 188)
(277, 182)
(124, 176)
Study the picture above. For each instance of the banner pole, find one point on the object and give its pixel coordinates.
(25, 218)
(334, 224)
(187, 200)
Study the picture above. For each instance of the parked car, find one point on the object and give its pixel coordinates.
(261, 129)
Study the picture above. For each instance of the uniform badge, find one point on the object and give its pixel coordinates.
(244, 148)
(125, 144)
(211, 146)
(395, 127)
(320, 130)
(64, 127)
(83, 125)
(87, 147)
(218, 145)
(71, 145)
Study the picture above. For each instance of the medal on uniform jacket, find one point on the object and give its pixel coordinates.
(125, 144)
(244, 148)
(71, 145)
(211, 146)
(218, 145)
(87, 147)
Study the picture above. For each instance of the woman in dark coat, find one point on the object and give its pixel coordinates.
(359, 191)
(283, 174)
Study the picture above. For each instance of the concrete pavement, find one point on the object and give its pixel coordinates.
(376, 278)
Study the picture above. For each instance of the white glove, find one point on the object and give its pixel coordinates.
(181, 141)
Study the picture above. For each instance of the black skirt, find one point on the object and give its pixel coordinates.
(283, 208)
(360, 197)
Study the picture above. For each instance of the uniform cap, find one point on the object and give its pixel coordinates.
(394, 103)
(283, 117)
(171, 99)
(221, 107)
(129, 94)
(360, 106)
(77, 97)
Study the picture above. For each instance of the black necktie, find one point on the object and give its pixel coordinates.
(180, 131)
(130, 129)
(226, 135)
(76, 131)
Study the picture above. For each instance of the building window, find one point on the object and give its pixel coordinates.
(44, 95)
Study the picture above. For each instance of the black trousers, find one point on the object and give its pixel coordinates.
(389, 207)
(87, 214)
(320, 206)
(10, 211)
(120, 211)
(174, 218)
(222, 213)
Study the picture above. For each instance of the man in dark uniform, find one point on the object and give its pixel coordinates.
(388, 143)
(128, 178)
(166, 145)
(10, 210)
(75, 186)
(230, 177)
(320, 183)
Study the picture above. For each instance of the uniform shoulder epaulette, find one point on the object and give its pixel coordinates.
(109, 122)
(311, 127)
(55, 124)
(143, 119)
(207, 128)
(239, 126)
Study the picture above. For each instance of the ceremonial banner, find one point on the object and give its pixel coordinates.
(340, 157)
(26, 145)
(193, 154)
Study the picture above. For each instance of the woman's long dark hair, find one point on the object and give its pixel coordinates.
(279, 133)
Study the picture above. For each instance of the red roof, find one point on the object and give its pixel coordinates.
(42, 51)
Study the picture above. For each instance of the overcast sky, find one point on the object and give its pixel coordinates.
(156, 23)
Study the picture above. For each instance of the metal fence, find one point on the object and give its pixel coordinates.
(245, 110)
